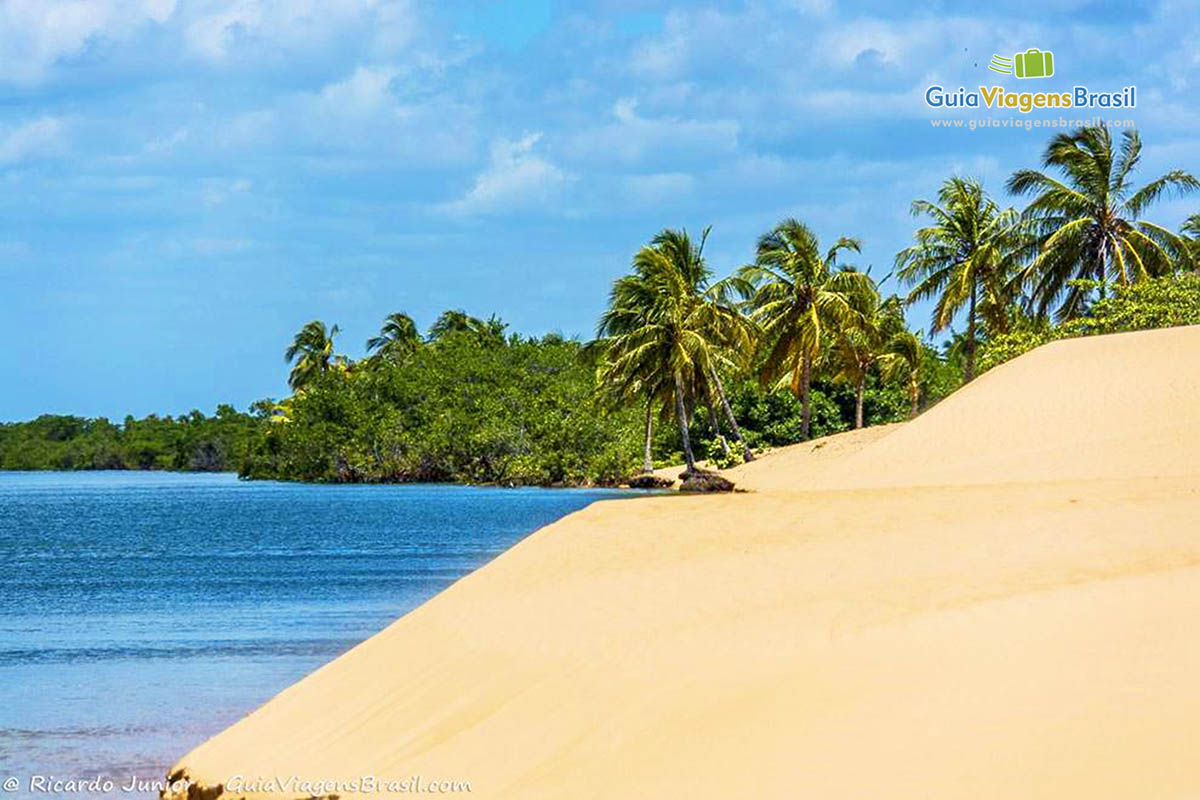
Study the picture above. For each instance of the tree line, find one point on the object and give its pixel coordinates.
(797, 309)
(190, 442)
(686, 367)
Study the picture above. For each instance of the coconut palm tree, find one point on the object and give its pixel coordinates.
(397, 339)
(797, 296)
(656, 396)
(859, 345)
(903, 358)
(665, 331)
(1191, 230)
(727, 328)
(312, 352)
(489, 331)
(620, 378)
(646, 344)
(1191, 226)
(965, 258)
(1087, 225)
(706, 390)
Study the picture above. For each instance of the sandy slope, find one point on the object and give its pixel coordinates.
(795, 466)
(999, 599)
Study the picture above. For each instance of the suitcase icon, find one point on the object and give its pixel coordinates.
(1034, 63)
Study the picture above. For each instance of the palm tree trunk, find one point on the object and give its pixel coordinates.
(716, 425)
(647, 461)
(681, 412)
(858, 402)
(805, 397)
(733, 424)
(970, 370)
(914, 393)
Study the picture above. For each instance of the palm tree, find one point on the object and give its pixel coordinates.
(645, 351)
(965, 258)
(622, 381)
(706, 389)
(903, 358)
(397, 339)
(654, 395)
(489, 331)
(859, 345)
(312, 350)
(796, 294)
(1191, 226)
(727, 328)
(1191, 230)
(1087, 226)
(664, 332)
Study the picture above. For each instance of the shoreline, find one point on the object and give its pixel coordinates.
(964, 604)
(272, 580)
(490, 485)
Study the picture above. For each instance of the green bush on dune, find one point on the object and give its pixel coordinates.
(1152, 303)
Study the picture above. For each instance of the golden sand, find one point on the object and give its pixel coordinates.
(998, 599)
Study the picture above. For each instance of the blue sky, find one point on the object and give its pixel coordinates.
(187, 183)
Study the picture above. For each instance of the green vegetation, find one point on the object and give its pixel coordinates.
(1147, 304)
(964, 258)
(668, 335)
(466, 405)
(397, 340)
(905, 357)
(859, 348)
(312, 353)
(795, 294)
(795, 344)
(1087, 226)
(191, 442)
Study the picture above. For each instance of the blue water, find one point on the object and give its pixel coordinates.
(140, 613)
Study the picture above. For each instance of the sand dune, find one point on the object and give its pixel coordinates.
(997, 600)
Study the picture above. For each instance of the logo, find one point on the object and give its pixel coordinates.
(1033, 63)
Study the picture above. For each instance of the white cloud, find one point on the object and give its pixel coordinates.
(364, 92)
(915, 46)
(247, 129)
(688, 37)
(516, 179)
(632, 139)
(211, 34)
(36, 34)
(360, 121)
(39, 137)
(216, 30)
